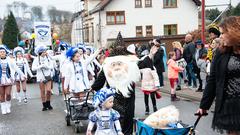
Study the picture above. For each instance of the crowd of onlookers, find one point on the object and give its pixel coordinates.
(193, 56)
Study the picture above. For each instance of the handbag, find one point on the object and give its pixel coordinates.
(182, 63)
(46, 78)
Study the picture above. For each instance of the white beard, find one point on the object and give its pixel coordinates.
(122, 80)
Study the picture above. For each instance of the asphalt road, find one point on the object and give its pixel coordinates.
(28, 119)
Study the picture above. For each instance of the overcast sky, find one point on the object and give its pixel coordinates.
(71, 5)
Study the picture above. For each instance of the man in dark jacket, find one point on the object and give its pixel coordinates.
(158, 62)
(189, 56)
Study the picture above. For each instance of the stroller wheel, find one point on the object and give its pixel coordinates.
(67, 118)
(77, 128)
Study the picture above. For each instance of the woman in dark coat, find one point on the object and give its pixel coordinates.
(224, 80)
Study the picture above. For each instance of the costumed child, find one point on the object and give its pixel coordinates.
(22, 64)
(106, 118)
(149, 85)
(7, 72)
(173, 70)
(43, 65)
(77, 77)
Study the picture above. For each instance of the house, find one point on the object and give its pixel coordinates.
(137, 19)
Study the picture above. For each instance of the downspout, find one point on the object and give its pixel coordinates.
(100, 29)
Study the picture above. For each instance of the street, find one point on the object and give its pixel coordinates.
(28, 119)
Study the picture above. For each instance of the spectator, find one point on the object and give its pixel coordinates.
(173, 70)
(224, 80)
(188, 54)
(178, 49)
(158, 61)
(202, 65)
(200, 50)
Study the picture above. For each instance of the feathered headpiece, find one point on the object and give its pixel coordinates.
(39, 49)
(4, 47)
(102, 96)
(18, 49)
(71, 51)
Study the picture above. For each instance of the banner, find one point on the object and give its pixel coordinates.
(43, 33)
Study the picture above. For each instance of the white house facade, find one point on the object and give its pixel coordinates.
(103, 19)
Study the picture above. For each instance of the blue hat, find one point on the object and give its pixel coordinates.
(81, 46)
(4, 47)
(64, 44)
(199, 42)
(18, 49)
(102, 96)
(70, 52)
(40, 49)
(90, 48)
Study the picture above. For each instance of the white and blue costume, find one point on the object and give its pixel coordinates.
(22, 64)
(42, 65)
(8, 69)
(107, 120)
(76, 78)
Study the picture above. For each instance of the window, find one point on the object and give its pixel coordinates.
(149, 30)
(110, 17)
(86, 33)
(115, 17)
(138, 3)
(148, 3)
(139, 32)
(170, 29)
(169, 3)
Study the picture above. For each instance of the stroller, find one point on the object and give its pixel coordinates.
(143, 129)
(78, 110)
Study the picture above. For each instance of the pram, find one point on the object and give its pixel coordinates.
(78, 110)
(142, 129)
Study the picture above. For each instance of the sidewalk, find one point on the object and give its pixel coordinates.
(186, 93)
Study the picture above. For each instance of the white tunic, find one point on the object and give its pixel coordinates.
(8, 69)
(76, 76)
(43, 67)
(22, 64)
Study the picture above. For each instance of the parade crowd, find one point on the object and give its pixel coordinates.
(114, 74)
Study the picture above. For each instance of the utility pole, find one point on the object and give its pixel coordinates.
(203, 22)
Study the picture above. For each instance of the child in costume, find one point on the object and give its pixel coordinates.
(22, 64)
(149, 85)
(106, 118)
(76, 80)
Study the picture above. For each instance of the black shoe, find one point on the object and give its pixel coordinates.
(44, 106)
(147, 110)
(49, 105)
(174, 97)
(178, 88)
(199, 90)
(155, 108)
